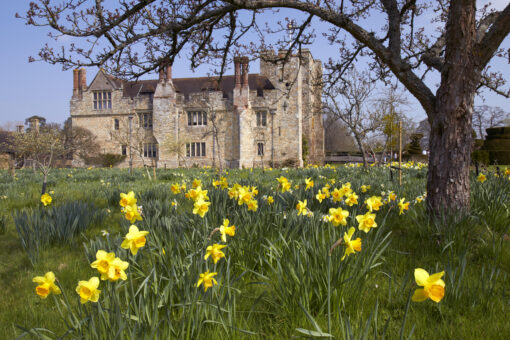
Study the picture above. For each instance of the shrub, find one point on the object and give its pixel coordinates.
(480, 156)
(107, 160)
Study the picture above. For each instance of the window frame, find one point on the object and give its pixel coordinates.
(197, 118)
(102, 100)
(260, 148)
(196, 149)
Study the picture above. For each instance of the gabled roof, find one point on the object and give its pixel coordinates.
(187, 86)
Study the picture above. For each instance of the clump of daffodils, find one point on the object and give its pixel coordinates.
(245, 195)
(284, 184)
(132, 212)
(201, 200)
(46, 199)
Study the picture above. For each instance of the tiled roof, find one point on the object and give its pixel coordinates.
(187, 86)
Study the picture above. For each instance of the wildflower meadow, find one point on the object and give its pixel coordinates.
(335, 252)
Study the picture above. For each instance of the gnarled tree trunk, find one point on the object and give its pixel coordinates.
(451, 122)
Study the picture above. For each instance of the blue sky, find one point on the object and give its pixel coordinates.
(42, 89)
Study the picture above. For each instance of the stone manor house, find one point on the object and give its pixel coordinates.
(244, 120)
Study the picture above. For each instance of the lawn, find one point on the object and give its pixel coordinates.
(282, 274)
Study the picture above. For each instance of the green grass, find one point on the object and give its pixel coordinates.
(273, 283)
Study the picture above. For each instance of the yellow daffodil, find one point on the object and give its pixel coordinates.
(346, 190)
(102, 262)
(433, 286)
(419, 199)
(373, 203)
(320, 196)
(253, 205)
(507, 172)
(336, 195)
(301, 207)
(366, 222)
(196, 183)
(223, 183)
(225, 230)
(215, 252)
(392, 196)
(351, 199)
(117, 270)
(201, 207)
(270, 199)
(338, 216)
(127, 199)
(207, 279)
(481, 178)
(216, 183)
(402, 206)
(87, 290)
(365, 188)
(254, 191)
(132, 213)
(351, 246)
(46, 199)
(46, 285)
(308, 183)
(176, 188)
(134, 239)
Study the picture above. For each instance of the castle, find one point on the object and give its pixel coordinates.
(268, 119)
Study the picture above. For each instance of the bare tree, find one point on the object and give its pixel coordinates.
(337, 136)
(485, 117)
(134, 138)
(41, 147)
(138, 37)
(79, 142)
(350, 103)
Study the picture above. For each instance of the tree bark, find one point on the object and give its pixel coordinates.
(448, 185)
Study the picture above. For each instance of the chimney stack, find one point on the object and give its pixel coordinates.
(76, 82)
(162, 75)
(244, 64)
(237, 72)
(83, 79)
(20, 128)
(169, 73)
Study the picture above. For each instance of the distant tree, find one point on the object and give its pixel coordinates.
(485, 117)
(350, 103)
(337, 136)
(40, 146)
(79, 142)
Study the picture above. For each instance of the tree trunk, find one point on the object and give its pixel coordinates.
(362, 150)
(451, 122)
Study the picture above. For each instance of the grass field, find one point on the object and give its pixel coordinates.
(280, 278)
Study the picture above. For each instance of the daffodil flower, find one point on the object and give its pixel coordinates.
(433, 286)
(87, 290)
(225, 230)
(366, 222)
(127, 199)
(46, 199)
(46, 285)
(134, 239)
(351, 246)
(215, 252)
(207, 280)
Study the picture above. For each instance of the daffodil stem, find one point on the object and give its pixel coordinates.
(212, 232)
(329, 293)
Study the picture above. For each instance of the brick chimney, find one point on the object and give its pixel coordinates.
(169, 73)
(76, 82)
(83, 79)
(244, 67)
(237, 71)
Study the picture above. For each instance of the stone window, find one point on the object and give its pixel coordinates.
(195, 149)
(260, 149)
(146, 121)
(197, 118)
(261, 118)
(150, 150)
(124, 150)
(116, 124)
(102, 100)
